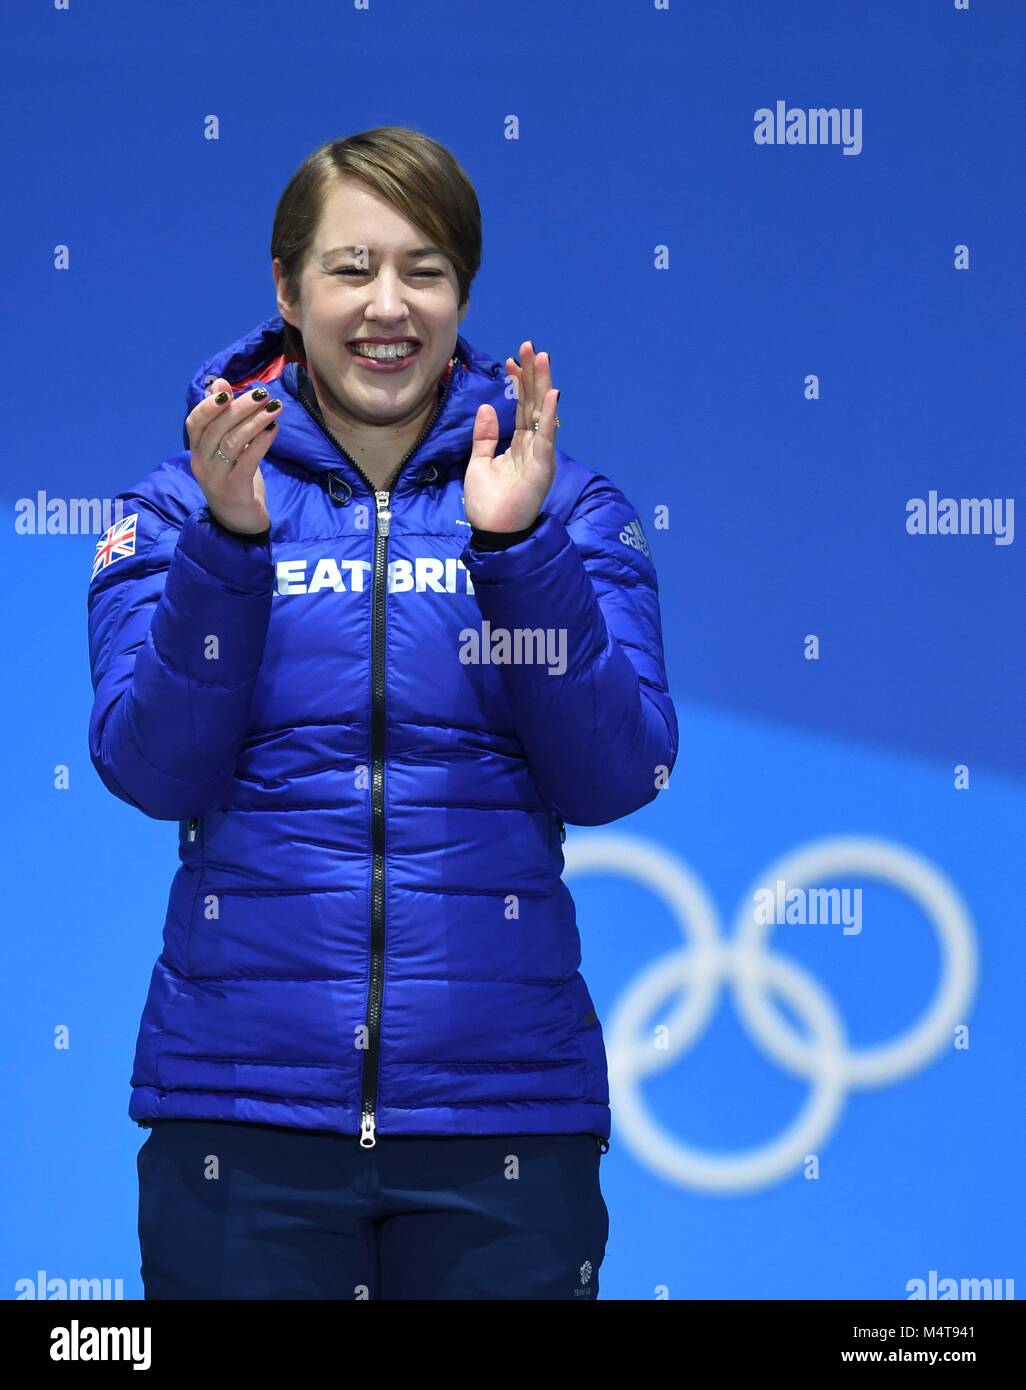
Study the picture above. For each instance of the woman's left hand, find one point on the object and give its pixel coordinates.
(506, 493)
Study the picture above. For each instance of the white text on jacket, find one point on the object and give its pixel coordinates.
(422, 574)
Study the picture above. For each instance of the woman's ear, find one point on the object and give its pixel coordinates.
(287, 306)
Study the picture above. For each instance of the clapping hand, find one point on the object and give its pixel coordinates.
(506, 493)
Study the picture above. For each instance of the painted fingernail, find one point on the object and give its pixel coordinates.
(270, 426)
(260, 393)
(221, 397)
(273, 405)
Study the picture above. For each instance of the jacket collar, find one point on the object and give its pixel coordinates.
(258, 357)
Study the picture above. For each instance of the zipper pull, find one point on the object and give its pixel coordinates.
(367, 1140)
(190, 833)
(384, 515)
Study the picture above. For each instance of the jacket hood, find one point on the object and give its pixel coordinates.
(258, 356)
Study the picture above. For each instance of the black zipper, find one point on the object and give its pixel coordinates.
(369, 1086)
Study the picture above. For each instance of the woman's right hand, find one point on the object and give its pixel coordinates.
(240, 428)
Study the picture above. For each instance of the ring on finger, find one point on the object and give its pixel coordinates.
(218, 453)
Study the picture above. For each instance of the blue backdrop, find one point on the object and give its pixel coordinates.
(780, 344)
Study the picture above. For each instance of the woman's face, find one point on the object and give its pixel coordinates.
(367, 277)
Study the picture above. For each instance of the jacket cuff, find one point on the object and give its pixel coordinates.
(260, 538)
(548, 536)
(243, 563)
(500, 540)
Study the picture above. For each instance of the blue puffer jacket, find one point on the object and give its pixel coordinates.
(368, 932)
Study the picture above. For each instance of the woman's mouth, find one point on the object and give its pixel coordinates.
(384, 357)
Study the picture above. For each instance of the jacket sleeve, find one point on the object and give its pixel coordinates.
(177, 625)
(601, 736)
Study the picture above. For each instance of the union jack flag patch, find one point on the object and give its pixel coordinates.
(115, 543)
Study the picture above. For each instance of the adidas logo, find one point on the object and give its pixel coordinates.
(634, 536)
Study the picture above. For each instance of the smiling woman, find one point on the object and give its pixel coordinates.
(369, 1002)
(376, 241)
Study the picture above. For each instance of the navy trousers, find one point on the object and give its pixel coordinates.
(237, 1210)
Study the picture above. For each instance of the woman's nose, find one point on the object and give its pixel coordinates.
(386, 299)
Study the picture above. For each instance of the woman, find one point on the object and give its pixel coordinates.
(372, 653)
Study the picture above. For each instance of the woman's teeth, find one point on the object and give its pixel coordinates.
(384, 352)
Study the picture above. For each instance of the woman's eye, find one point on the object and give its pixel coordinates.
(355, 270)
